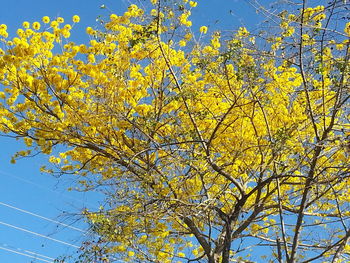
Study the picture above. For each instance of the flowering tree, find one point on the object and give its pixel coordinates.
(207, 150)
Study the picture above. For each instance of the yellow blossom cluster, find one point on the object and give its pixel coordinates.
(183, 131)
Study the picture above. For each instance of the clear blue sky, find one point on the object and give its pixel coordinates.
(22, 186)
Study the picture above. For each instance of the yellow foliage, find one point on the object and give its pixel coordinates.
(193, 138)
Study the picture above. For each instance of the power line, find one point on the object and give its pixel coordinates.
(24, 254)
(38, 234)
(45, 188)
(42, 217)
(27, 251)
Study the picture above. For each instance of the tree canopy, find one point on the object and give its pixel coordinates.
(209, 146)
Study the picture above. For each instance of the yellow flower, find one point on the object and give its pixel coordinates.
(339, 46)
(289, 31)
(3, 29)
(54, 159)
(90, 31)
(76, 19)
(26, 24)
(36, 25)
(82, 49)
(60, 20)
(182, 43)
(4, 34)
(193, 3)
(203, 29)
(154, 12)
(91, 58)
(188, 36)
(347, 29)
(243, 32)
(188, 23)
(46, 19)
(291, 17)
(113, 17)
(65, 33)
(28, 141)
(131, 253)
(54, 24)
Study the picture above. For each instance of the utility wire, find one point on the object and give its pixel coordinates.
(27, 251)
(37, 234)
(44, 188)
(42, 217)
(24, 254)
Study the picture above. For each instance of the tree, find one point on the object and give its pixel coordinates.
(207, 148)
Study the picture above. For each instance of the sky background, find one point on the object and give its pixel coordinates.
(23, 189)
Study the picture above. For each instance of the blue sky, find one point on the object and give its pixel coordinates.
(23, 190)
